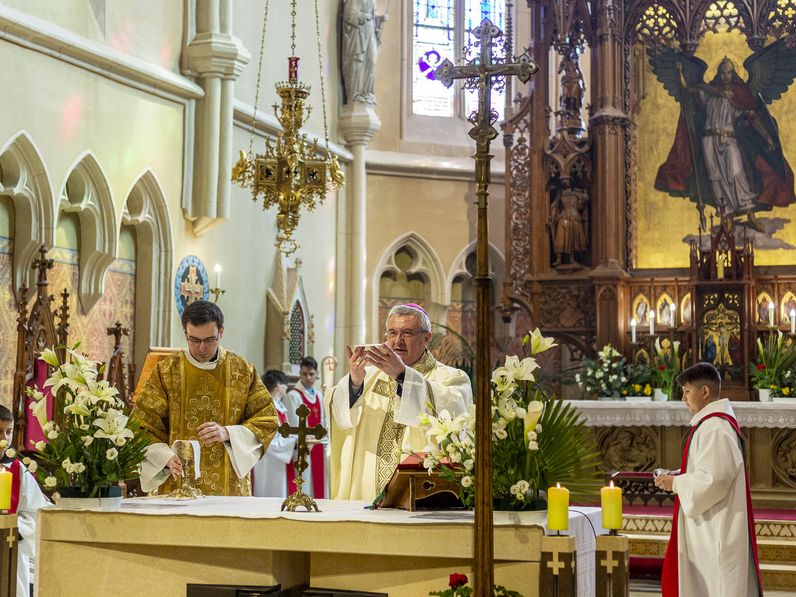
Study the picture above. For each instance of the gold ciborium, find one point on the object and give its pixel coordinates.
(186, 488)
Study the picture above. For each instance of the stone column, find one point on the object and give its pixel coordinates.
(216, 59)
(358, 123)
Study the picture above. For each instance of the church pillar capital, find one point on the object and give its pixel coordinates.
(358, 123)
(213, 54)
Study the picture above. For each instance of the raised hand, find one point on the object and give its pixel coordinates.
(386, 359)
(356, 364)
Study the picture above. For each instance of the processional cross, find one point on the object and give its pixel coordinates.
(298, 497)
(479, 74)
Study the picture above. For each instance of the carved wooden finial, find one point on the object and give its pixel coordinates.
(42, 264)
(117, 331)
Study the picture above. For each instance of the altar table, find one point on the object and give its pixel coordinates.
(155, 547)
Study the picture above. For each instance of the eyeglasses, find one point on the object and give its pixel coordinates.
(407, 334)
(199, 341)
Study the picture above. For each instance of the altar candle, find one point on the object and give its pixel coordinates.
(611, 500)
(217, 269)
(651, 317)
(558, 508)
(5, 488)
(771, 314)
(633, 324)
(672, 309)
(792, 321)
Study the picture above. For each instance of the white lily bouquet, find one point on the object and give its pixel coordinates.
(92, 444)
(537, 440)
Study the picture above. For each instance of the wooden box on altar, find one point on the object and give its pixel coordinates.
(413, 488)
(8, 555)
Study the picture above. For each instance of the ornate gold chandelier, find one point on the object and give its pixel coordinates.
(292, 172)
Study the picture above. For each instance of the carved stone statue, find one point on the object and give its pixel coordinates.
(361, 33)
(568, 223)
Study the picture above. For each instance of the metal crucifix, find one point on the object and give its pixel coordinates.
(479, 74)
(298, 497)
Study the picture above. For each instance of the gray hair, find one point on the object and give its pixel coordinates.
(422, 316)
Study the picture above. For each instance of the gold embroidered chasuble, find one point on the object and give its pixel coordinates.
(178, 397)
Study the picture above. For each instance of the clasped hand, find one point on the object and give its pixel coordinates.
(664, 482)
(382, 357)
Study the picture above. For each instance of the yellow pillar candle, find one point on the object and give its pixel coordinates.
(5, 488)
(611, 499)
(558, 508)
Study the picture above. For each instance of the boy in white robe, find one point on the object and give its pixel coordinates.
(712, 550)
(29, 500)
(271, 472)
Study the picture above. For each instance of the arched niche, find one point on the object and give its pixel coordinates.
(87, 194)
(24, 180)
(416, 260)
(146, 213)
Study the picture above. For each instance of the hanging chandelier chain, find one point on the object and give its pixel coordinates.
(323, 85)
(259, 76)
(292, 27)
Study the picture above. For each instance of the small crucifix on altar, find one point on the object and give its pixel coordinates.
(298, 497)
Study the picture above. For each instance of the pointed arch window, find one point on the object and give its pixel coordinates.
(298, 327)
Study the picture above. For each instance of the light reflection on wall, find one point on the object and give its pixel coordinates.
(71, 117)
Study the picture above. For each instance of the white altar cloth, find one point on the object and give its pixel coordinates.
(605, 413)
(583, 521)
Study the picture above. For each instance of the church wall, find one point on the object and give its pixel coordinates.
(148, 30)
(8, 322)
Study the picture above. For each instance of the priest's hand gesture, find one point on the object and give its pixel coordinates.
(175, 467)
(211, 432)
(386, 359)
(356, 364)
(664, 482)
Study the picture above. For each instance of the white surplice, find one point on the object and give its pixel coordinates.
(30, 500)
(270, 473)
(355, 430)
(714, 554)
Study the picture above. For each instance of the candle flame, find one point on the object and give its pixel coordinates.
(217, 268)
(558, 485)
(611, 484)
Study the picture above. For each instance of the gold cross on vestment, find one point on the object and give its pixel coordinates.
(12, 537)
(298, 497)
(556, 565)
(191, 289)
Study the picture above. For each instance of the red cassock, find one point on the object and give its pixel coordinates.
(317, 454)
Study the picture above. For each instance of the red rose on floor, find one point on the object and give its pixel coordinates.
(457, 580)
(661, 367)
(761, 367)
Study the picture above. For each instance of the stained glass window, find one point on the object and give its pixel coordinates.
(297, 332)
(440, 30)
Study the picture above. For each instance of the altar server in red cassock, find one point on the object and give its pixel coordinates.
(305, 393)
(712, 550)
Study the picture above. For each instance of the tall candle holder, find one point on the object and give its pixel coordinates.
(216, 292)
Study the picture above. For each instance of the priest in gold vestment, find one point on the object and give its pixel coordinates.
(374, 409)
(208, 394)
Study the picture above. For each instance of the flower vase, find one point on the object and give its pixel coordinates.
(72, 498)
(660, 395)
(764, 395)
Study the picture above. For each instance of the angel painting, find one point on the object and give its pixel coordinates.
(726, 134)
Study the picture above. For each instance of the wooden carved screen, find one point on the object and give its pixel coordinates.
(36, 331)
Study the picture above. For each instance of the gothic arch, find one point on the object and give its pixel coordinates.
(24, 179)
(425, 262)
(146, 212)
(496, 264)
(86, 192)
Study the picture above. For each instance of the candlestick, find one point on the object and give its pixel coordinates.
(651, 318)
(558, 508)
(633, 324)
(771, 314)
(611, 501)
(5, 488)
(792, 321)
(672, 309)
(217, 269)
